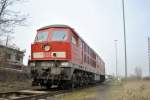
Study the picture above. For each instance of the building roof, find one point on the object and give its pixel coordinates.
(11, 48)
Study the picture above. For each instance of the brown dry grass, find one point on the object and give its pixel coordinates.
(11, 75)
(130, 90)
(14, 86)
(12, 80)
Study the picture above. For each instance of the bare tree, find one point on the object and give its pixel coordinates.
(9, 18)
(138, 72)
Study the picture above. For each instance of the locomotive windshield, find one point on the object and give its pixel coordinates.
(59, 35)
(41, 36)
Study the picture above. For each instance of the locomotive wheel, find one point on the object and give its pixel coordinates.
(69, 84)
(73, 81)
(34, 83)
(48, 85)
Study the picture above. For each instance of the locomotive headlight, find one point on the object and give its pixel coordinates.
(47, 48)
(64, 64)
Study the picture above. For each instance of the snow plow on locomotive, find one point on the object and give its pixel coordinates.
(60, 57)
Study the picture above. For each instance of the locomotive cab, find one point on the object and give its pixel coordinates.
(53, 43)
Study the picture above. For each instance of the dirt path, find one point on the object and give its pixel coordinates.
(103, 91)
(94, 93)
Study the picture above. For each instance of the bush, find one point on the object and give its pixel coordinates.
(12, 75)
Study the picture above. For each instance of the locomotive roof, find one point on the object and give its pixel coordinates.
(55, 25)
(58, 26)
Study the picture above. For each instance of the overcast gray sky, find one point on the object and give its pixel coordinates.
(99, 23)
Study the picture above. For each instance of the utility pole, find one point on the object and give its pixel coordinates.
(7, 39)
(116, 52)
(124, 30)
(149, 54)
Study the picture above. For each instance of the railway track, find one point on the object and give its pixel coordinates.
(29, 95)
(40, 94)
(33, 94)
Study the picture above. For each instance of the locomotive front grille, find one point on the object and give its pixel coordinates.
(49, 69)
(55, 71)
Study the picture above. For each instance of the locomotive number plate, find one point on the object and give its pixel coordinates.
(38, 55)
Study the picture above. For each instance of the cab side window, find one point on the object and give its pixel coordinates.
(73, 40)
(80, 43)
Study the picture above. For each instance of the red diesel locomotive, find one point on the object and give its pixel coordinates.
(60, 57)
